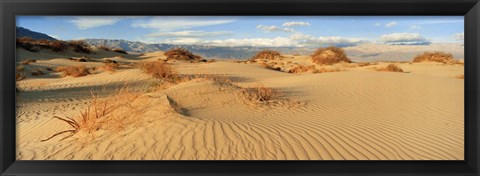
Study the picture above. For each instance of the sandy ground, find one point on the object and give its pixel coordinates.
(356, 113)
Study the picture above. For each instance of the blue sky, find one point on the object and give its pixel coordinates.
(254, 30)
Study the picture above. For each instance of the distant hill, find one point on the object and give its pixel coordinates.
(243, 52)
(23, 32)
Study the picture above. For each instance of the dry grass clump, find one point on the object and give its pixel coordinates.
(438, 56)
(181, 54)
(329, 55)
(211, 61)
(158, 69)
(80, 46)
(119, 50)
(267, 54)
(260, 93)
(109, 66)
(391, 68)
(302, 69)
(36, 72)
(103, 113)
(19, 76)
(28, 62)
(75, 71)
(270, 67)
(460, 77)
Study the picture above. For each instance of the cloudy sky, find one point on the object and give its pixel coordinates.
(254, 30)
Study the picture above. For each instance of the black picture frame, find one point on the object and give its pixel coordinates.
(10, 8)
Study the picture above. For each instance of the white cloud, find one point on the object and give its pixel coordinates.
(274, 28)
(173, 23)
(296, 23)
(404, 39)
(391, 24)
(377, 24)
(295, 40)
(87, 22)
(459, 36)
(415, 27)
(190, 34)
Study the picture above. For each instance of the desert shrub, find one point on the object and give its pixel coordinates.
(19, 76)
(119, 50)
(58, 46)
(106, 48)
(109, 61)
(438, 56)
(301, 69)
(158, 69)
(80, 46)
(75, 71)
(109, 66)
(35, 45)
(107, 113)
(36, 72)
(267, 54)
(260, 93)
(28, 62)
(181, 54)
(270, 67)
(391, 68)
(49, 69)
(329, 55)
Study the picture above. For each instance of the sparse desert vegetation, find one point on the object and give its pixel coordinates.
(302, 69)
(181, 54)
(268, 55)
(158, 69)
(74, 71)
(260, 93)
(36, 72)
(390, 68)
(438, 56)
(329, 55)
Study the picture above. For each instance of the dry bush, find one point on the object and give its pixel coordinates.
(391, 68)
(109, 61)
(119, 50)
(28, 62)
(267, 54)
(80, 46)
(302, 68)
(109, 66)
(329, 55)
(438, 56)
(260, 93)
(19, 76)
(75, 71)
(460, 77)
(158, 69)
(35, 45)
(49, 69)
(36, 72)
(270, 67)
(102, 114)
(363, 64)
(181, 54)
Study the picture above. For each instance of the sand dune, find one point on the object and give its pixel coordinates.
(354, 114)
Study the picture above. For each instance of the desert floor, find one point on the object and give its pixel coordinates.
(354, 113)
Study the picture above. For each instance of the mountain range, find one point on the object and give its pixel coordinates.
(23, 32)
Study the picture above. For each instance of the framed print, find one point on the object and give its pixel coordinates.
(239, 88)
